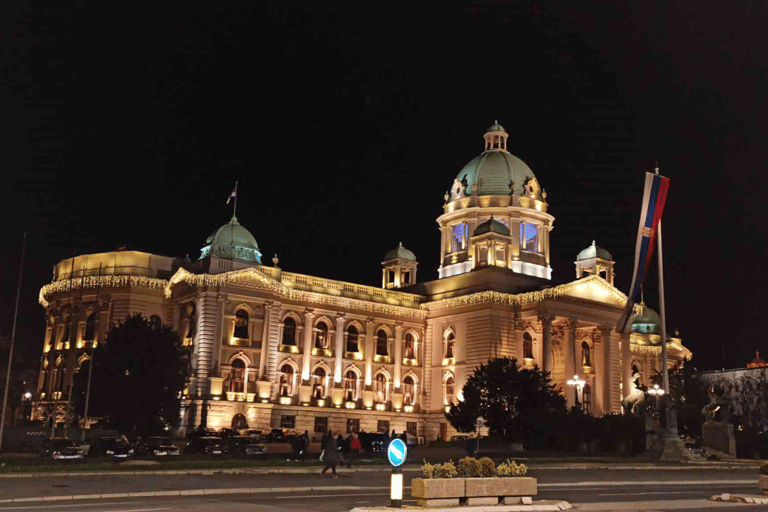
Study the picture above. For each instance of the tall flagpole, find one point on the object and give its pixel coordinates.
(234, 212)
(664, 357)
(13, 339)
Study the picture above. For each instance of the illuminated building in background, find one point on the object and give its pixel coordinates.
(273, 348)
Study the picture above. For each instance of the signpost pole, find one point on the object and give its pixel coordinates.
(396, 488)
(397, 451)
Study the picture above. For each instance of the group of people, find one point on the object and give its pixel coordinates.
(300, 446)
(339, 451)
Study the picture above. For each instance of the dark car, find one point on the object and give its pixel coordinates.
(206, 445)
(115, 447)
(203, 432)
(246, 446)
(157, 446)
(61, 448)
(373, 443)
(252, 432)
(226, 433)
(277, 435)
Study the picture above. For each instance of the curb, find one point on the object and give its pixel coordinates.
(738, 498)
(543, 506)
(189, 492)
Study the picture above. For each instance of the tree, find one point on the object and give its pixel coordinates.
(138, 376)
(515, 403)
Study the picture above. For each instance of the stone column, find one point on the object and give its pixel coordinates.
(264, 343)
(273, 342)
(569, 340)
(519, 352)
(546, 343)
(398, 354)
(604, 370)
(370, 349)
(338, 351)
(626, 365)
(205, 340)
(309, 315)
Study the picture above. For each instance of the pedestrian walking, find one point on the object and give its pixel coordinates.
(354, 447)
(341, 447)
(331, 454)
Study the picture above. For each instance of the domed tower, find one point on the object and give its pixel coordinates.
(595, 260)
(230, 247)
(398, 268)
(496, 183)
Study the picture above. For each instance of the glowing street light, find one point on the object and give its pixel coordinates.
(577, 384)
(657, 392)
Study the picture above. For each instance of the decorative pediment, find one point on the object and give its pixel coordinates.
(595, 289)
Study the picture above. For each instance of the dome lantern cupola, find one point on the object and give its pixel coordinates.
(398, 268)
(496, 137)
(595, 260)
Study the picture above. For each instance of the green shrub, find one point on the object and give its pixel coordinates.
(445, 470)
(511, 468)
(468, 468)
(487, 467)
(428, 470)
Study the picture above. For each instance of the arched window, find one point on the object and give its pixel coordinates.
(66, 332)
(586, 399)
(318, 383)
(237, 376)
(381, 343)
(527, 346)
(409, 390)
(90, 328)
(192, 323)
(449, 390)
(409, 347)
(289, 331)
(381, 388)
(321, 336)
(241, 324)
(352, 338)
(350, 386)
(529, 237)
(286, 380)
(450, 341)
(239, 421)
(586, 359)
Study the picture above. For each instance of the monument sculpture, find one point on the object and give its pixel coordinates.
(717, 432)
(632, 403)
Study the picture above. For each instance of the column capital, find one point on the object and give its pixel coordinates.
(370, 320)
(398, 326)
(341, 316)
(309, 312)
(545, 318)
(571, 323)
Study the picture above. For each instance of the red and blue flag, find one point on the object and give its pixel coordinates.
(654, 197)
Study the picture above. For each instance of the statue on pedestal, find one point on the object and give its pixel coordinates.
(632, 403)
(717, 411)
(716, 432)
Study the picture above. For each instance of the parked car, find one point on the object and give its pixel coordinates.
(373, 443)
(203, 432)
(61, 448)
(460, 437)
(226, 433)
(246, 446)
(277, 435)
(157, 446)
(115, 447)
(206, 445)
(252, 432)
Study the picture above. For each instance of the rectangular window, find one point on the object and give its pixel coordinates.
(382, 426)
(321, 425)
(529, 237)
(411, 428)
(391, 276)
(288, 422)
(406, 277)
(458, 237)
(353, 425)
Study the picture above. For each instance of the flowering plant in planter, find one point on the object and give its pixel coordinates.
(511, 468)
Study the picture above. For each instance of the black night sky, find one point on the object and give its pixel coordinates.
(346, 122)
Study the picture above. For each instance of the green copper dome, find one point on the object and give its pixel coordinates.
(491, 226)
(593, 251)
(400, 252)
(232, 242)
(493, 171)
(647, 322)
(495, 127)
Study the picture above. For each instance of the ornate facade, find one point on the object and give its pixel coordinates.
(278, 349)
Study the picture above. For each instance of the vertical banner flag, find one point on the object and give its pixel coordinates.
(654, 197)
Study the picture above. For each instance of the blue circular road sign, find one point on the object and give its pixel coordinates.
(397, 452)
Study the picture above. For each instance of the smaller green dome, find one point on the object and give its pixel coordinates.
(495, 127)
(232, 242)
(491, 226)
(647, 322)
(593, 251)
(401, 253)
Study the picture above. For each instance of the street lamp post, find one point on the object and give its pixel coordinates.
(657, 392)
(577, 383)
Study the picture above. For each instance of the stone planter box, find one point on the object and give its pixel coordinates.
(439, 492)
(762, 483)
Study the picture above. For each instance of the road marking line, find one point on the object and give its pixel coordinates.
(641, 482)
(327, 496)
(62, 506)
(137, 509)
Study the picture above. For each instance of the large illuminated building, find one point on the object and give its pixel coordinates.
(273, 348)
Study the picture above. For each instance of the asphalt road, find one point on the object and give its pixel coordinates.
(585, 489)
